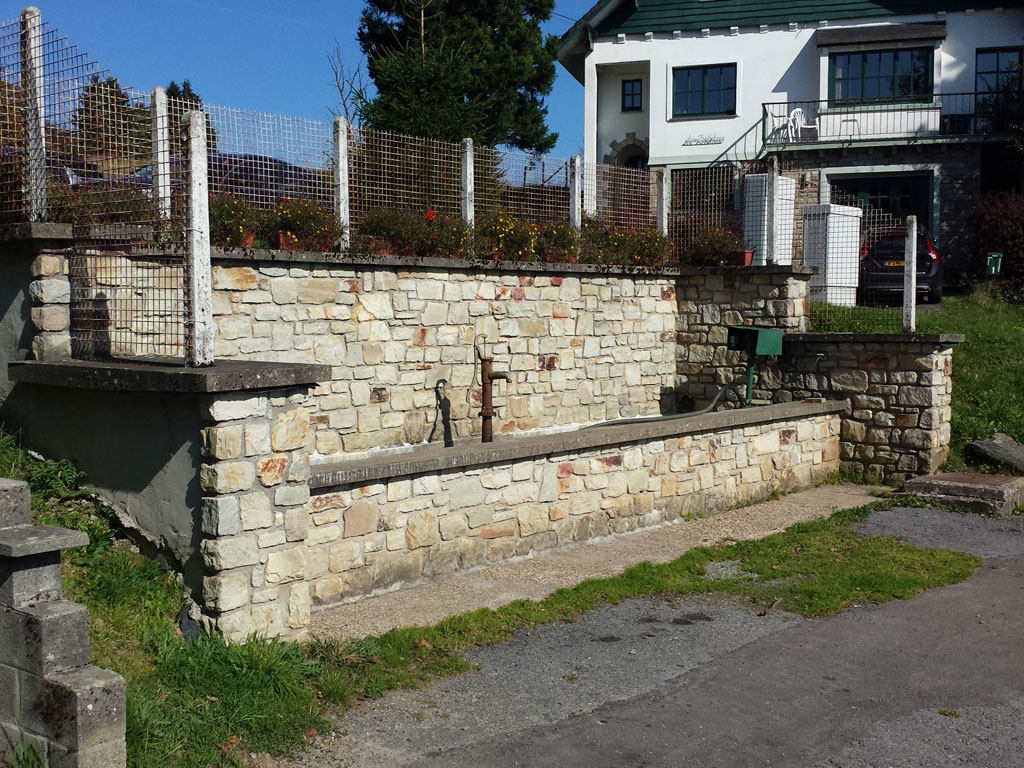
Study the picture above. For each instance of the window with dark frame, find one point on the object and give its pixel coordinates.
(866, 76)
(997, 69)
(998, 82)
(708, 90)
(632, 95)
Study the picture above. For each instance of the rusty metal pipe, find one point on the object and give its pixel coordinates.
(487, 379)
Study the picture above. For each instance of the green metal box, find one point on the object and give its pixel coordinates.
(993, 263)
(754, 340)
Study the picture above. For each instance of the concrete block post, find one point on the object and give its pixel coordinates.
(200, 324)
(35, 112)
(468, 191)
(51, 699)
(575, 194)
(161, 141)
(661, 176)
(910, 277)
(341, 196)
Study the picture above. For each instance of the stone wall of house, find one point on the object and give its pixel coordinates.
(898, 386)
(960, 188)
(273, 551)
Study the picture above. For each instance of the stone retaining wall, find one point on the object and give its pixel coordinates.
(899, 389)
(579, 347)
(273, 552)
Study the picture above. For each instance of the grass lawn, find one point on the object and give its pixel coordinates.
(203, 703)
(988, 368)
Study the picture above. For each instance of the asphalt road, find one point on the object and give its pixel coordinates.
(933, 681)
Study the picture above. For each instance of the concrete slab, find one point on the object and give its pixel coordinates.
(981, 493)
(535, 577)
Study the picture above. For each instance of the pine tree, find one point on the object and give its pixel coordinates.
(452, 69)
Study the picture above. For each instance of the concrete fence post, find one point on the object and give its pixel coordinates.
(468, 191)
(575, 198)
(199, 325)
(161, 141)
(910, 277)
(664, 198)
(769, 225)
(341, 191)
(35, 112)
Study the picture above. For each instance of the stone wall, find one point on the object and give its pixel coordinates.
(273, 551)
(579, 348)
(898, 386)
(773, 297)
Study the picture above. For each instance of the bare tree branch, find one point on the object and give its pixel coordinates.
(351, 85)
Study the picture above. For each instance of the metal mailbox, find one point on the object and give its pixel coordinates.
(754, 340)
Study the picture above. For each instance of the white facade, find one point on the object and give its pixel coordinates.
(777, 63)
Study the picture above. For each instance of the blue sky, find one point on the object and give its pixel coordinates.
(255, 54)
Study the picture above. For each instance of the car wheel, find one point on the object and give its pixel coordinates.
(935, 294)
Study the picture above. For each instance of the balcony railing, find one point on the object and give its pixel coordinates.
(940, 116)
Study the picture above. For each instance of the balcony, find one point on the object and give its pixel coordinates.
(941, 117)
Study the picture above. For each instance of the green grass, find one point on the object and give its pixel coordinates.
(988, 368)
(198, 704)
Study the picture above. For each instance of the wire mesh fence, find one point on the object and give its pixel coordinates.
(703, 199)
(618, 197)
(76, 145)
(525, 186)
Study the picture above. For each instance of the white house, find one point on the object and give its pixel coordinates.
(883, 100)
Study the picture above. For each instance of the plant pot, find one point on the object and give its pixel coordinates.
(285, 241)
(742, 258)
(243, 240)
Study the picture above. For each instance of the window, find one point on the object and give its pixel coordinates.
(704, 90)
(997, 83)
(866, 76)
(632, 95)
(997, 69)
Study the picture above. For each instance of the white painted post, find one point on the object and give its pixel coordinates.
(664, 198)
(468, 191)
(341, 198)
(199, 327)
(35, 111)
(575, 200)
(910, 277)
(161, 139)
(769, 225)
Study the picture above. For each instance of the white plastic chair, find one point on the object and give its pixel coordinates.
(798, 124)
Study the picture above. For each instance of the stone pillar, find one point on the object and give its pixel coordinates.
(51, 699)
(50, 290)
(256, 515)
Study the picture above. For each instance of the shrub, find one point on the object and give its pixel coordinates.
(625, 247)
(305, 224)
(411, 233)
(999, 223)
(557, 242)
(712, 247)
(233, 221)
(504, 238)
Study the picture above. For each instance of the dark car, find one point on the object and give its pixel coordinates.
(882, 264)
(257, 178)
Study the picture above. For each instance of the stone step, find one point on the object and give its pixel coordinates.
(997, 495)
(27, 540)
(46, 638)
(15, 503)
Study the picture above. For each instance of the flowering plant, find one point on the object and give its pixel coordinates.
(713, 247)
(402, 232)
(304, 224)
(233, 221)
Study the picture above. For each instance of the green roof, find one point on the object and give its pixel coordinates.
(669, 15)
(614, 17)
